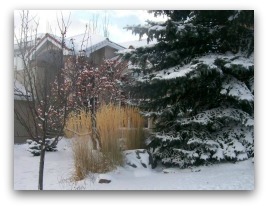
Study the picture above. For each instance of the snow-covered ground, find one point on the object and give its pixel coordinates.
(59, 169)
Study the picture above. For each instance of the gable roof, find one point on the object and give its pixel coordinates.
(38, 41)
(55, 40)
(90, 43)
(83, 42)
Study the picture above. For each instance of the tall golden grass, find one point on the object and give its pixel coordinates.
(132, 128)
(120, 128)
(108, 124)
(87, 160)
(124, 123)
(78, 123)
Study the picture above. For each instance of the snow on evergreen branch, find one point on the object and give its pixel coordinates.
(165, 137)
(237, 89)
(210, 116)
(240, 60)
(157, 28)
(244, 134)
(208, 60)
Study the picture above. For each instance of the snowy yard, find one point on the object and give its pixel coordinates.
(59, 169)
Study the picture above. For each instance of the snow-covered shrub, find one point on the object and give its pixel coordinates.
(35, 147)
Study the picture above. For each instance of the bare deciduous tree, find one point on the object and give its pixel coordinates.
(94, 24)
(106, 24)
(43, 91)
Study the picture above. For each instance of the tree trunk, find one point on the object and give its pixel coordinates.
(41, 167)
(95, 134)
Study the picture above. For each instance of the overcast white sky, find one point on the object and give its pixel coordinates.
(118, 19)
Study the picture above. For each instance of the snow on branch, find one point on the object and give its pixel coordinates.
(124, 51)
(157, 28)
(240, 60)
(210, 116)
(244, 134)
(182, 71)
(237, 89)
(165, 137)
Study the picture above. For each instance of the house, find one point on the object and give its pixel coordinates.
(45, 50)
(94, 46)
(43, 53)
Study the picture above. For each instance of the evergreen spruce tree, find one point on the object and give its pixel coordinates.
(197, 81)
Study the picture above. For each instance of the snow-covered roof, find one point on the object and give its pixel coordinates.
(86, 42)
(83, 41)
(90, 43)
(38, 41)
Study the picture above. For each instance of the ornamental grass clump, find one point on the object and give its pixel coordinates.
(119, 128)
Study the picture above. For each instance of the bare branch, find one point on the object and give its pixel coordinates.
(106, 24)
